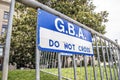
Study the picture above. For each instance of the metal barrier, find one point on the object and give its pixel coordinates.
(104, 65)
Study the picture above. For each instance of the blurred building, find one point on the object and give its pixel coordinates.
(4, 15)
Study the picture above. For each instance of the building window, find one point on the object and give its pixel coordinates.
(4, 28)
(6, 15)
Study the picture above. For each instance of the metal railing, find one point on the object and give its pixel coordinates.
(103, 65)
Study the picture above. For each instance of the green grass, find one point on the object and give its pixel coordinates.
(28, 75)
(66, 72)
(69, 73)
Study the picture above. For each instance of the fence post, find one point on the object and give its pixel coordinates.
(98, 55)
(85, 62)
(8, 40)
(93, 62)
(37, 63)
(107, 51)
(59, 67)
(103, 55)
(119, 61)
(74, 66)
(111, 59)
(37, 56)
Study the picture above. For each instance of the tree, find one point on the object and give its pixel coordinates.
(83, 11)
(23, 34)
(23, 37)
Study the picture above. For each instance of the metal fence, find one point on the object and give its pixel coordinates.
(103, 65)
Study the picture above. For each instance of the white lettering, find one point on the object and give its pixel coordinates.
(80, 33)
(60, 27)
(71, 29)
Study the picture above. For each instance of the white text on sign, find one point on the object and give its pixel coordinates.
(71, 29)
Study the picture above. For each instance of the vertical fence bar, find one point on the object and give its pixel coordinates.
(46, 63)
(48, 60)
(86, 74)
(115, 55)
(74, 66)
(106, 46)
(52, 60)
(93, 62)
(65, 61)
(91, 65)
(112, 60)
(47, 55)
(8, 40)
(118, 55)
(37, 64)
(56, 60)
(81, 67)
(37, 57)
(103, 54)
(62, 60)
(101, 75)
(59, 67)
(119, 61)
(41, 58)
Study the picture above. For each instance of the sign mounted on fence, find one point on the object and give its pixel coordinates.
(59, 35)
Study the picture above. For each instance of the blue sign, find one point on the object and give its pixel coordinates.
(59, 35)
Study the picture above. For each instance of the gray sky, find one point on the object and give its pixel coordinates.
(113, 25)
